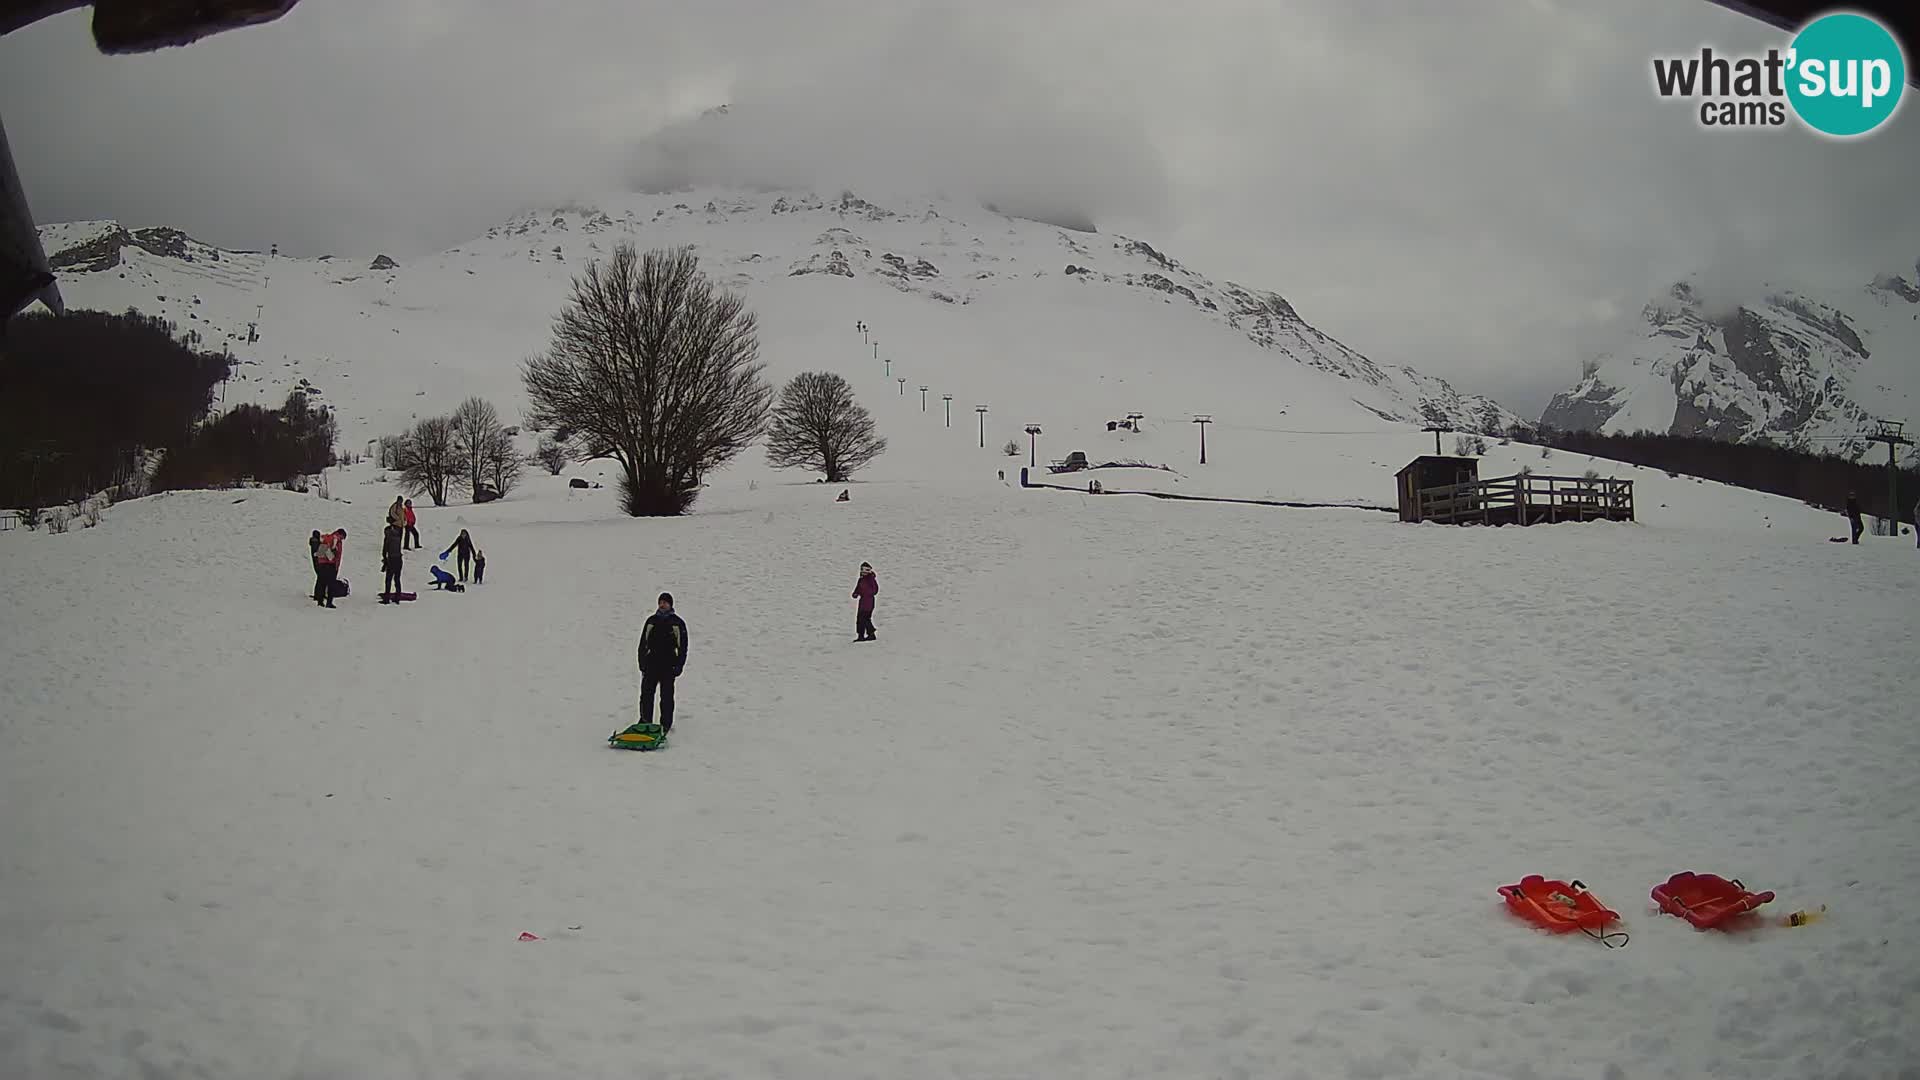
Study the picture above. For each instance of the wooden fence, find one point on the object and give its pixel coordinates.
(1528, 499)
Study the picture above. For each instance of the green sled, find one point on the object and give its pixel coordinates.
(639, 737)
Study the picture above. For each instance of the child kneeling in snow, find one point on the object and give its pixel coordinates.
(441, 579)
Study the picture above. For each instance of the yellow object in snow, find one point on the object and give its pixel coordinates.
(1802, 918)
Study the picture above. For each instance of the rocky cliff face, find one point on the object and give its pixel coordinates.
(1813, 372)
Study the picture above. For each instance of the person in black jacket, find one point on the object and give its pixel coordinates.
(464, 544)
(390, 548)
(313, 552)
(663, 653)
(1853, 516)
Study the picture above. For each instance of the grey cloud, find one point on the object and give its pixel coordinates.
(1480, 188)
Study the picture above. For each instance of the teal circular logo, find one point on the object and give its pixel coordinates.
(1846, 74)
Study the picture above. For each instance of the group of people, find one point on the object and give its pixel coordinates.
(402, 534)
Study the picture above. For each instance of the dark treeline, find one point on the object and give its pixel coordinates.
(1821, 480)
(251, 442)
(82, 394)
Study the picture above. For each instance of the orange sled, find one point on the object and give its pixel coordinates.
(1706, 900)
(1559, 906)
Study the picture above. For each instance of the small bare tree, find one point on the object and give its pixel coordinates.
(652, 366)
(818, 426)
(551, 455)
(504, 464)
(391, 451)
(429, 464)
(476, 426)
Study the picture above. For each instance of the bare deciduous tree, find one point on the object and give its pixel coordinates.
(503, 463)
(475, 427)
(429, 465)
(651, 366)
(818, 426)
(551, 455)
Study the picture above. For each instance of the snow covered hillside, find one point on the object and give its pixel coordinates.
(1022, 316)
(1812, 371)
(1125, 788)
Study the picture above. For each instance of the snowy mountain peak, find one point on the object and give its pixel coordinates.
(1811, 370)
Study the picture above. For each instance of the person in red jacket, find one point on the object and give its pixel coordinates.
(864, 591)
(413, 534)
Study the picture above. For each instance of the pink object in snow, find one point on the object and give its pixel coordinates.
(525, 936)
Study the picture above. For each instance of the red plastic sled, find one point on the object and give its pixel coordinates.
(1559, 906)
(1706, 900)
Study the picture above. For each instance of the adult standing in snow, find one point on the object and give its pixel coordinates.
(663, 653)
(397, 513)
(313, 556)
(391, 545)
(327, 558)
(864, 590)
(413, 534)
(1853, 516)
(464, 544)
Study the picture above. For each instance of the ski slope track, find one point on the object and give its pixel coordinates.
(1127, 787)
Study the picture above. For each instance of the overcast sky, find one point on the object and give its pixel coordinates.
(1481, 189)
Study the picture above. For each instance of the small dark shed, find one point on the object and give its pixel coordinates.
(1431, 471)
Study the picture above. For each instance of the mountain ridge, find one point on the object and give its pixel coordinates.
(949, 253)
(1810, 369)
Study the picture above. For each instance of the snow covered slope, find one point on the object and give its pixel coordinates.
(993, 309)
(1813, 371)
(1125, 788)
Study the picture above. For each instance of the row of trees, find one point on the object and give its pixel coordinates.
(1821, 480)
(84, 398)
(251, 442)
(652, 366)
(468, 449)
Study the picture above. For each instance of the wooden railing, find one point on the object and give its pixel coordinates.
(1528, 499)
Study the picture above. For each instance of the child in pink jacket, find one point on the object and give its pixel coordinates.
(864, 591)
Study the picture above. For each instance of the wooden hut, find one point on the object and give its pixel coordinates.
(1432, 471)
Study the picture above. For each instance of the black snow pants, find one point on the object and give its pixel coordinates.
(466, 563)
(323, 576)
(863, 624)
(650, 681)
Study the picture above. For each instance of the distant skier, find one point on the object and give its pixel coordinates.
(662, 655)
(391, 545)
(464, 544)
(1853, 516)
(333, 548)
(479, 567)
(864, 590)
(413, 534)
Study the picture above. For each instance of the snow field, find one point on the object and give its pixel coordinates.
(1125, 788)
